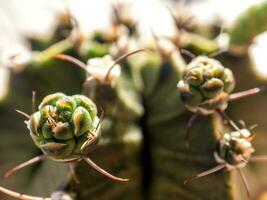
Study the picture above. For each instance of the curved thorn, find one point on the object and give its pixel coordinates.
(253, 127)
(24, 164)
(246, 93)
(71, 60)
(72, 21)
(88, 86)
(73, 173)
(205, 173)
(33, 101)
(20, 196)
(23, 113)
(189, 124)
(174, 17)
(103, 172)
(115, 14)
(120, 59)
(229, 121)
(245, 182)
(242, 123)
(216, 53)
(262, 158)
(155, 37)
(100, 120)
(188, 53)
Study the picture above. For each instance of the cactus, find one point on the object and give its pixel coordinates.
(146, 100)
(205, 79)
(244, 30)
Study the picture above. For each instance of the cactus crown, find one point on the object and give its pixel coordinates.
(206, 85)
(235, 148)
(62, 125)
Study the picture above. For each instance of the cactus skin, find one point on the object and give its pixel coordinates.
(165, 121)
(206, 85)
(248, 25)
(165, 125)
(62, 125)
(120, 143)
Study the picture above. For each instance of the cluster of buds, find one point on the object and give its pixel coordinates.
(235, 149)
(63, 125)
(205, 89)
(206, 85)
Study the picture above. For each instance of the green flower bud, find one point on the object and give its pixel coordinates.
(59, 150)
(218, 71)
(87, 103)
(47, 130)
(206, 85)
(63, 125)
(195, 77)
(212, 88)
(81, 121)
(66, 104)
(51, 99)
(229, 81)
(63, 131)
(48, 110)
(235, 148)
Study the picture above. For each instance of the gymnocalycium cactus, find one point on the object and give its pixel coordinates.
(144, 113)
(206, 85)
(64, 126)
(206, 88)
(234, 151)
(66, 129)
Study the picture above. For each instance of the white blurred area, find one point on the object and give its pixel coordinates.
(258, 53)
(18, 18)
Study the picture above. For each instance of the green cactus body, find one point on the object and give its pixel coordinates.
(206, 85)
(234, 149)
(92, 49)
(165, 123)
(62, 125)
(249, 24)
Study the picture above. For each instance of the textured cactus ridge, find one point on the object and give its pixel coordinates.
(62, 125)
(206, 85)
(235, 149)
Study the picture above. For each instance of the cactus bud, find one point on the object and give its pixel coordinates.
(195, 77)
(206, 85)
(235, 148)
(98, 68)
(81, 121)
(189, 95)
(229, 81)
(212, 88)
(62, 125)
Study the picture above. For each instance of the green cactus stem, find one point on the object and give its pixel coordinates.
(169, 163)
(247, 26)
